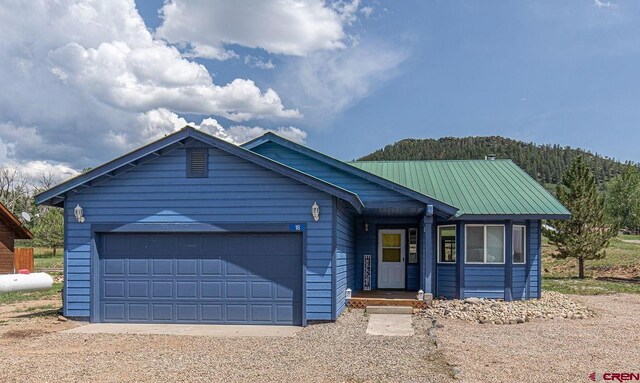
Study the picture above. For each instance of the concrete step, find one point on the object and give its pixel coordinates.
(389, 310)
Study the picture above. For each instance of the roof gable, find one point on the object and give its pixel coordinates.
(480, 187)
(14, 223)
(443, 208)
(56, 195)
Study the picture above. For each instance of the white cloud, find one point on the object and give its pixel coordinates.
(257, 62)
(367, 11)
(84, 80)
(161, 122)
(289, 27)
(603, 4)
(324, 85)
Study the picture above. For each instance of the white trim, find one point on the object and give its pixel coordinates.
(504, 246)
(439, 241)
(524, 245)
(403, 235)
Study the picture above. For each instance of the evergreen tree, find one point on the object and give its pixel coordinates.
(586, 235)
(623, 199)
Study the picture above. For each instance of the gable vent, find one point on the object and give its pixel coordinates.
(197, 163)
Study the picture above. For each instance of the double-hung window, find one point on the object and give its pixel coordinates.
(484, 244)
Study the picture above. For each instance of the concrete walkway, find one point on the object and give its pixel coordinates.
(390, 325)
(187, 330)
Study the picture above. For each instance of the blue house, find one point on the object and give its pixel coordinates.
(193, 229)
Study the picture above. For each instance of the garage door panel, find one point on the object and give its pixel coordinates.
(162, 289)
(162, 267)
(138, 289)
(114, 312)
(211, 290)
(114, 267)
(236, 290)
(162, 311)
(201, 278)
(138, 311)
(138, 266)
(187, 289)
(212, 267)
(187, 267)
(113, 289)
(211, 313)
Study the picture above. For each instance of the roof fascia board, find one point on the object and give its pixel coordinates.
(446, 208)
(489, 217)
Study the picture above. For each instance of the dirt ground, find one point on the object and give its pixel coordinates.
(33, 349)
(559, 350)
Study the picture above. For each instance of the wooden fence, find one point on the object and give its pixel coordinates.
(23, 259)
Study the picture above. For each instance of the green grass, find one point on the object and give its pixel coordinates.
(48, 262)
(622, 261)
(588, 286)
(31, 295)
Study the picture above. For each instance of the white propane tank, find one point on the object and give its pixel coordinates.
(25, 282)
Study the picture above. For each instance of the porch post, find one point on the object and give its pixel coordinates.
(426, 256)
(508, 261)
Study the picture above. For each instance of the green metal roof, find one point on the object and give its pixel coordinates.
(478, 187)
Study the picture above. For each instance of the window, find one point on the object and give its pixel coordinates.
(446, 244)
(391, 247)
(484, 243)
(519, 244)
(196, 163)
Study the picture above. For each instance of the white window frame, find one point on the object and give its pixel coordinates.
(439, 241)
(484, 226)
(524, 244)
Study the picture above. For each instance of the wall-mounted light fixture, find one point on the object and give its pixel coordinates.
(79, 213)
(315, 211)
(366, 226)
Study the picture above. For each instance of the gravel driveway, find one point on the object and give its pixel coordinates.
(559, 350)
(34, 350)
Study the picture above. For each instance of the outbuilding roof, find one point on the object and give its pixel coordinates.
(14, 223)
(477, 187)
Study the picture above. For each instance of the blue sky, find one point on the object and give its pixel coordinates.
(542, 71)
(90, 81)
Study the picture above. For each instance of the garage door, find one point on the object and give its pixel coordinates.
(201, 278)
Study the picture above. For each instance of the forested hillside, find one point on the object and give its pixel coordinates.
(545, 163)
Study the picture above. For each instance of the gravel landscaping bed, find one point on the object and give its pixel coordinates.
(490, 311)
(544, 350)
(34, 350)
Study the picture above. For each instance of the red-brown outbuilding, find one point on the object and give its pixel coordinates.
(10, 230)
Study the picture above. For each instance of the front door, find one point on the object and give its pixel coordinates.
(391, 259)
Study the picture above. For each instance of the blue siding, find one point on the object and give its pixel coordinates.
(484, 281)
(366, 190)
(236, 191)
(447, 281)
(345, 254)
(519, 284)
(534, 240)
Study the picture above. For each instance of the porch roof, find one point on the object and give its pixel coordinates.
(478, 188)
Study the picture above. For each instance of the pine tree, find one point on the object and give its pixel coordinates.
(586, 235)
